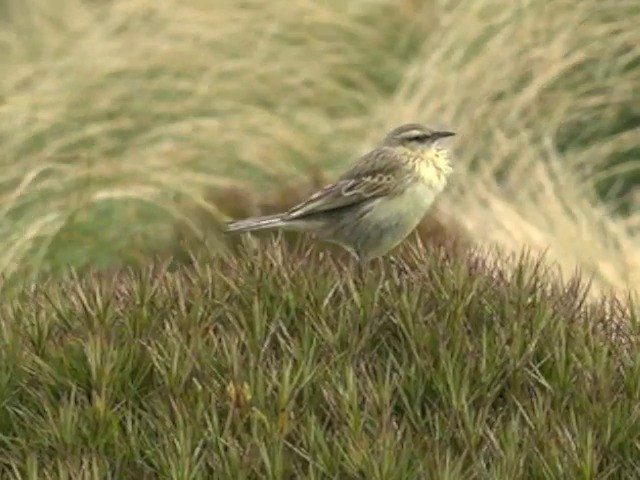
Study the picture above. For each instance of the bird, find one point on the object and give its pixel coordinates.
(376, 203)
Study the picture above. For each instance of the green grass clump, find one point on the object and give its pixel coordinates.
(280, 363)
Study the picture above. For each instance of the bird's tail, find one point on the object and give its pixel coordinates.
(256, 223)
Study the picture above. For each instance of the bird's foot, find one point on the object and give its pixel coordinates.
(400, 267)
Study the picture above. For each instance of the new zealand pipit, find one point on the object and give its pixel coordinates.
(378, 202)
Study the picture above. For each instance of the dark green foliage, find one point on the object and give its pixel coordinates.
(283, 363)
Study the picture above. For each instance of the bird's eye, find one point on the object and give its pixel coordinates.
(419, 137)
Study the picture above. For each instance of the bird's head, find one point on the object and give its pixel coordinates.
(415, 136)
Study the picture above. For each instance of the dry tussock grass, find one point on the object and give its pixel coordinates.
(114, 115)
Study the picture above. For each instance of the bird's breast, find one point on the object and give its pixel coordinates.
(408, 207)
(433, 173)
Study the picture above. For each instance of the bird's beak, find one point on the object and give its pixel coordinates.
(443, 134)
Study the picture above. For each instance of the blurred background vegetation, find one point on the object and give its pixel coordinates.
(127, 127)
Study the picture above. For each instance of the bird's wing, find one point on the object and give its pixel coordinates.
(376, 174)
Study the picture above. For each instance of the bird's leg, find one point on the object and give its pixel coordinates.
(361, 271)
(401, 268)
(394, 261)
(360, 267)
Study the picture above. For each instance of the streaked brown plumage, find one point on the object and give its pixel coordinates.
(378, 202)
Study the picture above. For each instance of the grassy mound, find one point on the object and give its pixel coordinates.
(279, 363)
